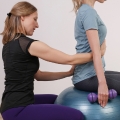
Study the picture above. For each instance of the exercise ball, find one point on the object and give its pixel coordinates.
(77, 99)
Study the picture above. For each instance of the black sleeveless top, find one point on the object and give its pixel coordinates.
(20, 68)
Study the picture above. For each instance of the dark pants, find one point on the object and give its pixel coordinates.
(91, 84)
(43, 109)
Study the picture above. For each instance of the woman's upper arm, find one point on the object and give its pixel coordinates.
(90, 24)
(93, 39)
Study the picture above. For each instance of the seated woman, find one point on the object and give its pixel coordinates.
(90, 34)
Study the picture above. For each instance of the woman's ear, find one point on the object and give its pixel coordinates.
(22, 18)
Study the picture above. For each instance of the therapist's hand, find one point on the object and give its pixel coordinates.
(103, 48)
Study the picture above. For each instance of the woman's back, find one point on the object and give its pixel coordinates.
(20, 68)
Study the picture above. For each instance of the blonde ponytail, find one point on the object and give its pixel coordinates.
(77, 4)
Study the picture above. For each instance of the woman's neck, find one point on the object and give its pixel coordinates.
(89, 2)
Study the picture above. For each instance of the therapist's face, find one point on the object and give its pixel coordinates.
(29, 23)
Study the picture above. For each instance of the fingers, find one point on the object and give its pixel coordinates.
(102, 99)
(103, 45)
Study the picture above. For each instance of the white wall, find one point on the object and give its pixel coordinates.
(56, 28)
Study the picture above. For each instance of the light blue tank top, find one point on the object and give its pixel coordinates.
(87, 18)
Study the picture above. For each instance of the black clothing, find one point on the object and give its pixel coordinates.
(91, 84)
(20, 68)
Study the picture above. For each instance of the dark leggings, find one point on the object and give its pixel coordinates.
(91, 84)
(43, 109)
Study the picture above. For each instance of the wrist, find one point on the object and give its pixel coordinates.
(102, 82)
(69, 73)
(101, 79)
